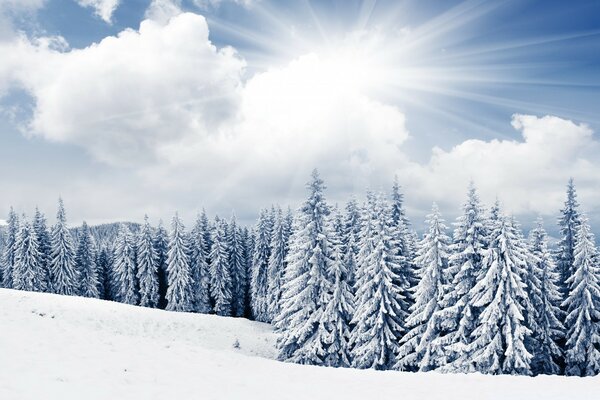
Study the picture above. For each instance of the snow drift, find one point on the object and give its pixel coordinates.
(71, 348)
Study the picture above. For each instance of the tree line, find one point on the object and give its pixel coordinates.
(353, 287)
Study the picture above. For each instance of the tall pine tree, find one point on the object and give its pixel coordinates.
(28, 272)
(63, 272)
(416, 350)
(85, 260)
(546, 298)
(568, 222)
(124, 268)
(42, 236)
(147, 266)
(161, 248)
(8, 251)
(380, 306)
(180, 291)
(302, 335)
(260, 266)
(238, 266)
(220, 273)
(200, 269)
(582, 349)
(277, 264)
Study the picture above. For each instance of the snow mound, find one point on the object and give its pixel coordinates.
(73, 348)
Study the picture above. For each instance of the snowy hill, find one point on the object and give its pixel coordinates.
(71, 348)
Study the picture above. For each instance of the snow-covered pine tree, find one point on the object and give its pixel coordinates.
(147, 266)
(161, 248)
(85, 261)
(207, 229)
(104, 267)
(380, 306)
(248, 240)
(406, 246)
(63, 272)
(340, 309)
(546, 298)
(458, 316)
(238, 266)
(305, 293)
(28, 271)
(351, 238)
(568, 222)
(180, 291)
(260, 266)
(43, 238)
(221, 284)
(499, 338)
(8, 251)
(582, 349)
(277, 264)
(124, 267)
(200, 269)
(416, 350)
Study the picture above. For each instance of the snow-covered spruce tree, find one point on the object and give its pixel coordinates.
(305, 294)
(248, 240)
(458, 316)
(221, 284)
(568, 222)
(277, 264)
(351, 238)
(340, 309)
(85, 261)
(582, 349)
(260, 266)
(28, 271)
(379, 314)
(147, 266)
(499, 339)
(43, 238)
(200, 269)
(406, 246)
(546, 298)
(238, 266)
(8, 252)
(207, 231)
(180, 291)
(106, 283)
(64, 276)
(124, 267)
(416, 350)
(161, 248)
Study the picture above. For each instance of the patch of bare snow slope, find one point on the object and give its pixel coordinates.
(58, 347)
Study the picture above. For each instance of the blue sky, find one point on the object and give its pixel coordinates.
(435, 92)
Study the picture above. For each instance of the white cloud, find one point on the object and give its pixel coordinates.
(166, 102)
(102, 8)
(528, 175)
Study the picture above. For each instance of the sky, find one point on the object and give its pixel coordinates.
(150, 106)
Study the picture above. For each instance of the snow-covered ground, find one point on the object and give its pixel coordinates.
(74, 348)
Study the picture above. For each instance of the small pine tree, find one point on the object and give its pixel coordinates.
(8, 253)
(28, 271)
(416, 350)
(546, 298)
(220, 274)
(63, 272)
(499, 339)
(305, 295)
(238, 266)
(582, 349)
(379, 316)
(180, 292)
(260, 266)
(147, 266)
(85, 260)
(124, 268)
(200, 269)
